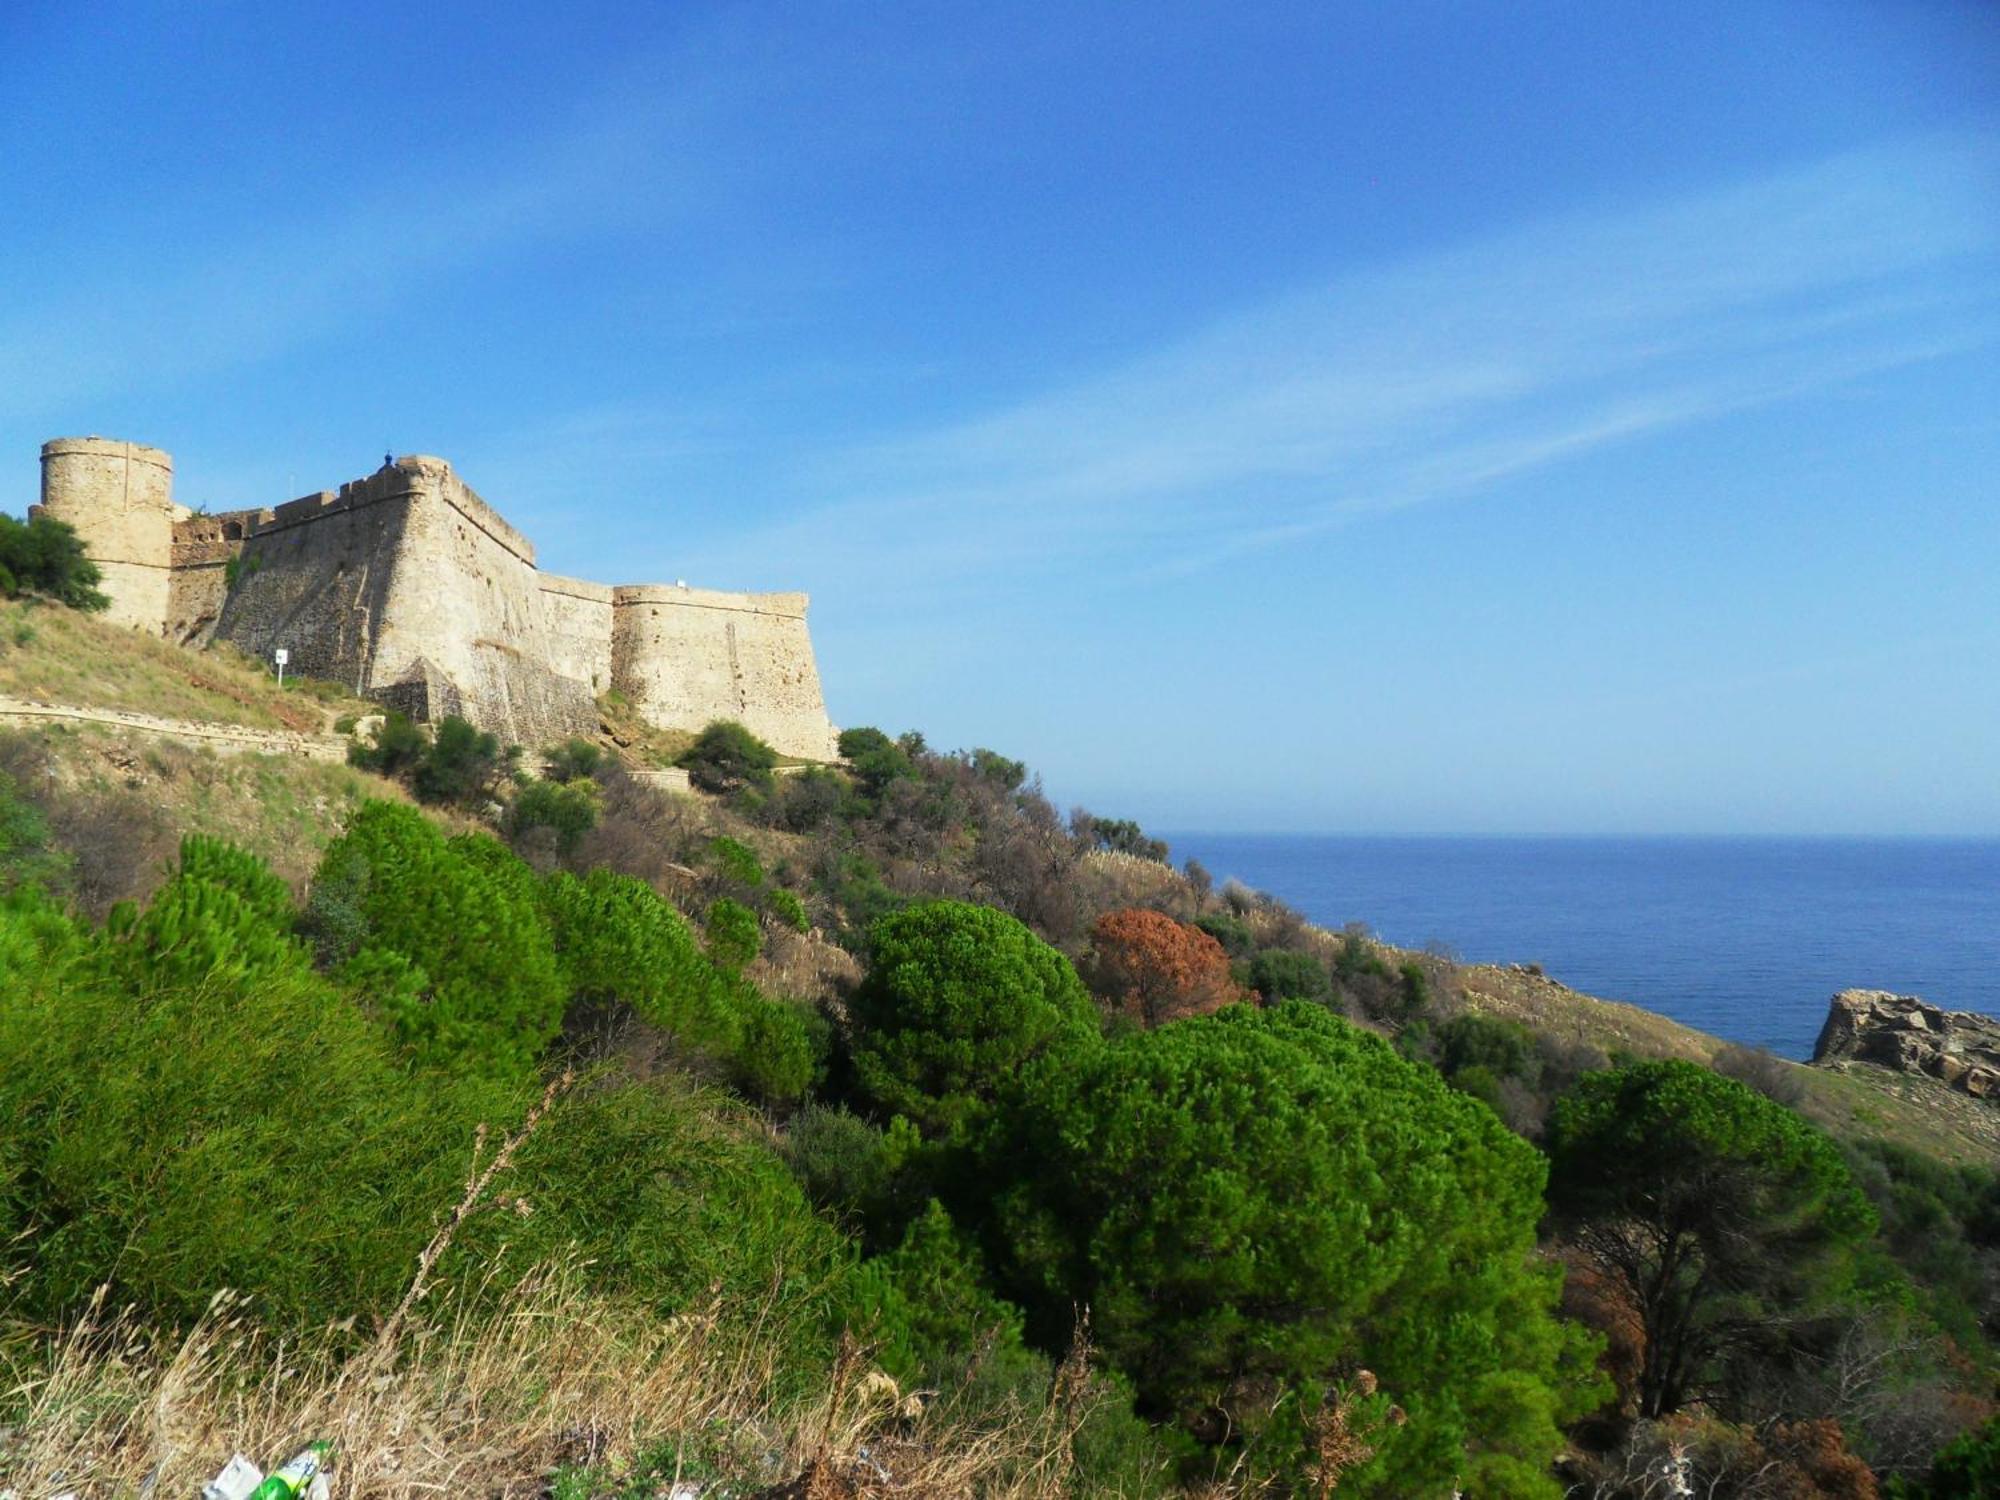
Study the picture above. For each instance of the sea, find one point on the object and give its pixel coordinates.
(1745, 938)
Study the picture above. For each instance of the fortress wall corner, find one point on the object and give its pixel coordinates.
(119, 497)
(465, 604)
(687, 657)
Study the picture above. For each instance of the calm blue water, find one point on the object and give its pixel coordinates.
(1745, 938)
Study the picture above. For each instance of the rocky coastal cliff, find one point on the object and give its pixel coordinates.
(1901, 1032)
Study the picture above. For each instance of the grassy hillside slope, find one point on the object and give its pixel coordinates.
(54, 655)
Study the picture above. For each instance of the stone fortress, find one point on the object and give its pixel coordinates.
(408, 588)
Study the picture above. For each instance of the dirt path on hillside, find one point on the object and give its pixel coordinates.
(227, 738)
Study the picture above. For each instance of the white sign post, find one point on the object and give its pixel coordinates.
(281, 656)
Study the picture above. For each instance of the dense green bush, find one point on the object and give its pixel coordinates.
(397, 749)
(726, 757)
(734, 934)
(1506, 1049)
(45, 556)
(672, 1195)
(567, 808)
(956, 999)
(938, 1326)
(461, 765)
(1003, 771)
(573, 760)
(1255, 1202)
(1942, 1225)
(175, 1131)
(789, 909)
(1229, 930)
(736, 861)
(222, 917)
(1707, 1204)
(806, 802)
(876, 760)
(180, 1120)
(1966, 1469)
(852, 1167)
(619, 942)
(1279, 974)
(781, 1054)
(461, 915)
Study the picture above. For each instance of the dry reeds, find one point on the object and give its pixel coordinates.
(496, 1401)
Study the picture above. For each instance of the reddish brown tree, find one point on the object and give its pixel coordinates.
(1154, 969)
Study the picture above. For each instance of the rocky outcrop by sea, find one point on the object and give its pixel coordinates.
(1959, 1048)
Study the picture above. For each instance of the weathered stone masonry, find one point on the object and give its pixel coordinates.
(409, 588)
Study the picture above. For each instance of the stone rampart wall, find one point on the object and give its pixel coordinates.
(687, 657)
(579, 616)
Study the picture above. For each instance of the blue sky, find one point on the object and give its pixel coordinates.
(1416, 417)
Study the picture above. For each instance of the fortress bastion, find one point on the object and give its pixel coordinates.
(409, 588)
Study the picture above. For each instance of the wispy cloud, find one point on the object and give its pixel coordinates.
(1427, 380)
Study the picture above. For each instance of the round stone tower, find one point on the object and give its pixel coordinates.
(120, 498)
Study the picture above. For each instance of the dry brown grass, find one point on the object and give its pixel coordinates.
(60, 656)
(121, 800)
(493, 1403)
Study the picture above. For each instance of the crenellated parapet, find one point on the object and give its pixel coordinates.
(407, 586)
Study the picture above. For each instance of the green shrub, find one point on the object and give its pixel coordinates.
(1278, 974)
(464, 911)
(1968, 1468)
(1120, 836)
(849, 1165)
(674, 1197)
(734, 935)
(726, 757)
(855, 886)
(398, 747)
(1229, 930)
(776, 1061)
(174, 1132)
(1260, 1201)
(789, 909)
(1504, 1049)
(1003, 772)
(573, 760)
(956, 999)
(619, 941)
(937, 1326)
(737, 861)
(1357, 959)
(806, 802)
(45, 556)
(876, 760)
(567, 808)
(223, 917)
(461, 765)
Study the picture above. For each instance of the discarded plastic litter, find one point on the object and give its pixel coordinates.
(301, 1478)
(238, 1478)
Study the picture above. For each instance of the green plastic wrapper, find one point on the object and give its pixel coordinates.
(296, 1477)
